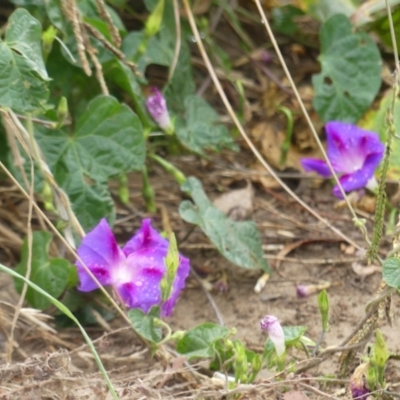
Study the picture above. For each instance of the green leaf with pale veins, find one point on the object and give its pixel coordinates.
(391, 272)
(144, 323)
(200, 341)
(108, 140)
(202, 129)
(239, 242)
(351, 72)
(23, 76)
(52, 275)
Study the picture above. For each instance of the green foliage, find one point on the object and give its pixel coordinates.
(322, 10)
(239, 242)
(52, 275)
(144, 324)
(23, 75)
(158, 50)
(379, 356)
(350, 76)
(323, 305)
(382, 27)
(283, 19)
(201, 129)
(108, 139)
(172, 264)
(391, 272)
(88, 10)
(233, 357)
(200, 342)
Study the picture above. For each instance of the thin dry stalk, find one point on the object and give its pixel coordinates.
(178, 39)
(381, 307)
(103, 12)
(251, 145)
(61, 200)
(97, 65)
(112, 49)
(71, 12)
(303, 108)
(161, 353)
(21, 300)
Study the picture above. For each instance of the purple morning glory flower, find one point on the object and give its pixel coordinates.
(157, 107)
(353, 152)
(271, 325)
(135, 271)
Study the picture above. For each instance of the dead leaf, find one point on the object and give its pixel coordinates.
(266, 181)
(269, 138)
(365, 270)
(347, 249)
(294, 395)
(236, 204)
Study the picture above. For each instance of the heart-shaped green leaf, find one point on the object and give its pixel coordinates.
(350, 76)
(239, 242)
(391, 272)
(52, 275)
(108, 140)
(202, 129)
(199, 342)
(144, 323)
(23, 76)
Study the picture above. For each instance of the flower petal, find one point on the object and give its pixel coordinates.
(271, 324)
(179, 283)
(100, 253)
(140, 286)
(146, 237)
(348, 146)
(360, 178)
(319, 166)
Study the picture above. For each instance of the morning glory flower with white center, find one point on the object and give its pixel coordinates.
(271, 325)
(135, 271)
(157, 107)
(354, 154)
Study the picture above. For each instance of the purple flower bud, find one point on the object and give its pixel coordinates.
(354, 154)
(266, 57)
(135, 271)
(302, 291)
(358, 387)
(271, 325)
(307, 290)
(157, 107)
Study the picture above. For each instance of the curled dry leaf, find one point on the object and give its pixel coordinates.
(347, 249)
(360, 200)
(365, 270)
(269, 138)
(236, 204)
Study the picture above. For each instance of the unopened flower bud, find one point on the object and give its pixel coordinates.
(157, 107)
(307, 290)
(271, 325)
